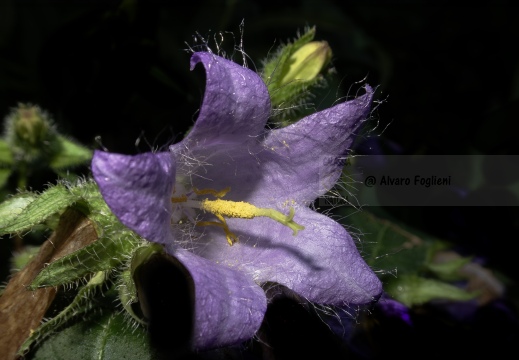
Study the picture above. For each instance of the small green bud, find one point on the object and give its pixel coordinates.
(31, 143)
(30, 124)
(307, 62)
(22, 258)
(30, 133)
(292, 74)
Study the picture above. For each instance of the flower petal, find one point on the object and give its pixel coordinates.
(297, 163)
(321, 263)
(229, 305)
(311, 153)
(137, 189)
(236, 100)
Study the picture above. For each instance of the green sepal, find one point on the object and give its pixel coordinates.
(25, 214)
(144, 253)
(12, 207)
(128, 295)
(291, 95)
(6, 155)
(82, 303)
(415, 290)
(127, 287)
(113, 247)
(105, 337)
(94, 205)
(104, 254)
(69, 153)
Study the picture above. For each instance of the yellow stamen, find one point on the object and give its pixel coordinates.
(235, 209)
(179, 199)
(231, 237)
(213, 192)
(245, 210)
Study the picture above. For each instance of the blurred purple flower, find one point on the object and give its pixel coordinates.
(232, 182)
(394, 309)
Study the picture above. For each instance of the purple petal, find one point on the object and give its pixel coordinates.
(229, 305)
(297, 163)
(394, 309)
(137, 189)
(321, 263)
(310, 154)
(236, 101)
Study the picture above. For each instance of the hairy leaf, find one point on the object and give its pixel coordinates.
(69, 154)
(81, 304)
(105, 337)
(103, 255)
(12, 207)
(25, 214)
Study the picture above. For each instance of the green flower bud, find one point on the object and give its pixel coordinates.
(31, 143)
(30, 125)
(293, 72)
(30, 133)
(307, 62)
(22, 258)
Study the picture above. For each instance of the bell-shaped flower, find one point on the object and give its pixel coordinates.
(231, 202)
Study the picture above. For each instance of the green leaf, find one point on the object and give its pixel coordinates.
(449, 270)
(69, 154)
(4, 176)
(387, 246)
(414, 290)
(82, 303)
(21, 216)
(6, 156)
(14, 206)
(106, 253)
(106, 337)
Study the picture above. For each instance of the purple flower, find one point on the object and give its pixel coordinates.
(231, 203)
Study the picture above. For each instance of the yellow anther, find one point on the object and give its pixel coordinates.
(179, 199)
(234, 209)
(213, 192)
(231, 238)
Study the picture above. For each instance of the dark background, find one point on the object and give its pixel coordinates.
(448, 80)
(449, 73)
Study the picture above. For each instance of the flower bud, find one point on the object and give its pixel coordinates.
(307, 62)
(29, 133)
(30, 124)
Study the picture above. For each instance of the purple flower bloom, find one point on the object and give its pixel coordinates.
(232, 182)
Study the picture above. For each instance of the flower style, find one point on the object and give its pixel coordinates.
(231, 203)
